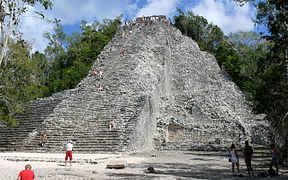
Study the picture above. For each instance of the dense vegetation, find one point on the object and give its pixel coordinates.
(270, 94)
(25, 76)
(269, 91)
(19, 82)
(69, 58)
(256, 62)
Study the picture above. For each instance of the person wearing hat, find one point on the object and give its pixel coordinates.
(26, 174)
(69, 149)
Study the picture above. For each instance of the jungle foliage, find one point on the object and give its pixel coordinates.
(66, 60)
(70, 57)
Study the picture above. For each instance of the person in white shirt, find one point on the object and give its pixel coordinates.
(101, 74)
(69, 149)
(234, 158)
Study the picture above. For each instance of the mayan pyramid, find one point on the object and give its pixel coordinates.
(158, 87)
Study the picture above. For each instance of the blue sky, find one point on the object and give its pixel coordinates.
(224, 13)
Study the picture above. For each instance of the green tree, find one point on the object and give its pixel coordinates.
(18, 83)
(72, 56)
(208, 36)
(10, 12)
(229, 59)
(247, 48)
(270, 94)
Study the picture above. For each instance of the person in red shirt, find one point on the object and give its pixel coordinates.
(94, 73)
(26, 174)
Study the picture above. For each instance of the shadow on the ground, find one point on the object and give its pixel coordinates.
(207, 154)
(183, 171)
(60, 164)
(177, 170)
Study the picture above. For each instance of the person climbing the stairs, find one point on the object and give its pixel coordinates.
(122, 53)
(69, 149)
(100, 88)
(112, 124)
(43, 139)
(101, 74)
(94, 73)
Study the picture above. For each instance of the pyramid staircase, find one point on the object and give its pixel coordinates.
(91, 133)
(157, 85)
(12, 138)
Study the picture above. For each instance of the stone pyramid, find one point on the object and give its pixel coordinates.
(157, 89)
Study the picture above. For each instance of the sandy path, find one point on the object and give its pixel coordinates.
(168, 165)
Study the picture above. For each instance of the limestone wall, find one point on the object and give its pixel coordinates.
(162, 92)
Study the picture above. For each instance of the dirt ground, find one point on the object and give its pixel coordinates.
(167, 164)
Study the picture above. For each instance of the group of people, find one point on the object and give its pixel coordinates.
(97, 73)
(141, 20)
(248, 152)
(234, 158)
(28, 174)
(129, 25)
(145, 20)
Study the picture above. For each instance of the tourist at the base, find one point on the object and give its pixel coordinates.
(26, 174)
(234, 159)
(285, 156)
(69, 149)
(248, 151)
(274, 154)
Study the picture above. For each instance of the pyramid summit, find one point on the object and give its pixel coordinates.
(150, 88)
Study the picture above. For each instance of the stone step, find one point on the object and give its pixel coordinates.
(82, 114)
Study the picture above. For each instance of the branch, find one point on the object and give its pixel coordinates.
(283, 120)
(286, 24)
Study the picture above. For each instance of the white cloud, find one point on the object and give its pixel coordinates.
(226, 14)
(158, 7)
(131, 10)
(73, 11)
(70, 12)
(33, 28)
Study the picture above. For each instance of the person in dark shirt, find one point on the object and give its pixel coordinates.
(248, 152)
(274, 154)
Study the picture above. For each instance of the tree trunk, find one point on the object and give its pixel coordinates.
(6, 36)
